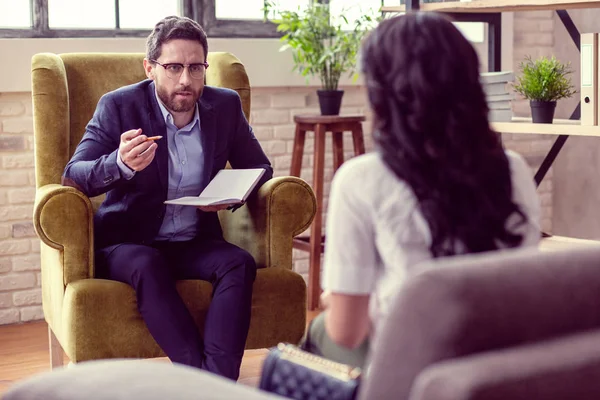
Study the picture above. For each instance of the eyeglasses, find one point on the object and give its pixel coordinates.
(174, 70)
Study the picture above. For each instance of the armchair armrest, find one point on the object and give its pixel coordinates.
(62, 218)
(283, 208)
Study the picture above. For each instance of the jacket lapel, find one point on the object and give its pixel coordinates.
(208, 133)
(158, 128)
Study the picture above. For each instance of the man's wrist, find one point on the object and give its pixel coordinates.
(126, 172)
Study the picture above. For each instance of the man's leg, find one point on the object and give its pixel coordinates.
(231, 271)
(145, 269)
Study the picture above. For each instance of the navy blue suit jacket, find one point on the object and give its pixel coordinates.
(133, 209)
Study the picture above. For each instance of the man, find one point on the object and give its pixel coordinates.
(164, 138)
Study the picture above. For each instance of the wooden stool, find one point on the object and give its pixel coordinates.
(320, 124)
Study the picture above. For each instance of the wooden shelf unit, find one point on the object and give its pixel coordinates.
(496, 6)
(558, 127)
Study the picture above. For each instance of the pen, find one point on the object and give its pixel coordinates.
(154, 138)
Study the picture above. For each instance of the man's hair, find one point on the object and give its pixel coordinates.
(171, 28)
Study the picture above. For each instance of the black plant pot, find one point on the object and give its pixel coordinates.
(542, 112)
(330, 101)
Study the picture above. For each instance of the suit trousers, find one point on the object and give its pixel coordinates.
(152, 271)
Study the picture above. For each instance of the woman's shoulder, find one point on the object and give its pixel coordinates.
(362, 169)
(368, 177)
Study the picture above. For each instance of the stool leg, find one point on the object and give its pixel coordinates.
(314, 273)
(338, 149)
(298, 151)
(358, 139)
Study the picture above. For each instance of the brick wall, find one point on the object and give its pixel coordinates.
(272, 113)
(534, 36)
(20, 295)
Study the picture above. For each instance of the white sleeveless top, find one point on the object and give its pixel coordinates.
(375, 232)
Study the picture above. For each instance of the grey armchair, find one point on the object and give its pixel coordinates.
(507, 325)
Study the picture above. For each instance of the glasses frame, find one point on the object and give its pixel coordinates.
(184, 66)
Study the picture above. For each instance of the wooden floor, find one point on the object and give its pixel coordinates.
(24, 352)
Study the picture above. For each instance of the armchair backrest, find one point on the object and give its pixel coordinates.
(66, 89)
(466, 305)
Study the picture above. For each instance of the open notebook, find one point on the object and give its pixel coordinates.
(229, 186)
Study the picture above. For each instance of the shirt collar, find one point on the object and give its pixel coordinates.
(168, 117)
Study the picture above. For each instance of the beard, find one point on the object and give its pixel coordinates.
(178, 104)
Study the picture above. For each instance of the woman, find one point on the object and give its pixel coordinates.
(439, 184)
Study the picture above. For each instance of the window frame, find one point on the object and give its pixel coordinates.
(203, 11)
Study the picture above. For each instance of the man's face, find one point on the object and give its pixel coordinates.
(178, 93)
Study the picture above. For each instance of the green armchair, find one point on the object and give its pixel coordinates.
(92, 318)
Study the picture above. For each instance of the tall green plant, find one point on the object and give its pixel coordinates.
(320, 47)
(545, 79)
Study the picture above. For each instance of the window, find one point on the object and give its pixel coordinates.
(101, 14)
(15, 14)
(220, 18)
(98, 14)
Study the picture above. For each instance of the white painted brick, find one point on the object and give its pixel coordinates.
(275, 147)
(31, 178)
(15, 246)
(5, 231)
(6, 300)
(284, 132)
(9, 316)
(18, 161)
(29, 142)
(260, 101)
(288, 100)
(17, 281)
(353, 98)
(263, 133)
(27, 297)
(14, 178)
(537, 39)
(38, 279)
(15, 213)
(21, 195)
(5, 265)
(301, 266)
(282, 162)
(35, 245)
(18, 125)
(11, 108)
(28, 262)
(270, 116)
(305, 111)
(33, 313)
(28, 106)
(3, 197)
(23, 229)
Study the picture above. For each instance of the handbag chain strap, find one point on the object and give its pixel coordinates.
(338, 370)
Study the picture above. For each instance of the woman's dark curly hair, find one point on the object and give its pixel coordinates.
(431, 128)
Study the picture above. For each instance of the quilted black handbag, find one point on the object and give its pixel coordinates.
(297, 374)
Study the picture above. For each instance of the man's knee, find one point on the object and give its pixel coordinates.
(243, 263)
(147, 263)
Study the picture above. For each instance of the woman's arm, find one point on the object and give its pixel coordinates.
(347, 319)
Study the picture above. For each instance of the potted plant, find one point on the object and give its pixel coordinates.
(543, 82)
(321, 47)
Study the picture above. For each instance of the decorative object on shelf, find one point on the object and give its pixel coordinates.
(543, 82)
(321, 46)
(498, 95)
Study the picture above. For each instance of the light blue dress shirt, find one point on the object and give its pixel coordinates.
(186, 171)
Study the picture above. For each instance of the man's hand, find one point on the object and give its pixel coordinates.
(135, 150)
